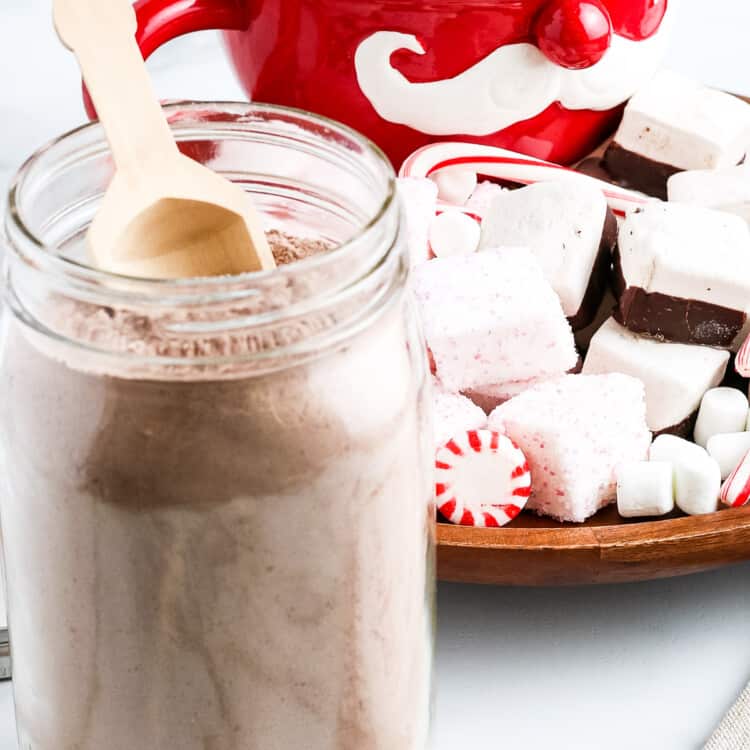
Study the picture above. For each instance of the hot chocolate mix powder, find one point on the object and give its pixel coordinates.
(219, 564)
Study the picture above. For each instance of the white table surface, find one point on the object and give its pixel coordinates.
(651, 666)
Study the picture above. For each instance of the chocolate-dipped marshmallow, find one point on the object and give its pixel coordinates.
(682, 273)
(673, 124)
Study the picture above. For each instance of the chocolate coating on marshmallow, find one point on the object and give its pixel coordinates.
(682, 273)
(674, 124)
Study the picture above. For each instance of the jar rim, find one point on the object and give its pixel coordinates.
(186, 290)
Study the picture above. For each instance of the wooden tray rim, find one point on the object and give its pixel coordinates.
(629, 534)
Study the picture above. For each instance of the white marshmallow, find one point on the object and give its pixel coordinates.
(697, 479)
(454, 233)
(562, 223)
(482, 197)
(728, 450)
(645, 488)
(455, 184)
(687, 252)
(675, 375)
(677, 121)
(722, 410)
(723, 189)
(575, 432)
(419, 202)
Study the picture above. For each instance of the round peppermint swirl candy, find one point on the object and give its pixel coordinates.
(482, 479)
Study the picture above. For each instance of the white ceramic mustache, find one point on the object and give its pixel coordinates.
(512, 84)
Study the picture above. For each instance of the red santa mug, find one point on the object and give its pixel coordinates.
(544, 77)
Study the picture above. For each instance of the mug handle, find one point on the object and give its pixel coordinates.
(160, 21)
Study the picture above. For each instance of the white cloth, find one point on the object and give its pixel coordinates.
(734, 731)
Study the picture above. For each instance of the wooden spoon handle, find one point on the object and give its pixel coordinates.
(101, 33)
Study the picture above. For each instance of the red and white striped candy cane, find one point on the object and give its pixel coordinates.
(502, 164)
(735, 492)
(742, 361)
(482, 479)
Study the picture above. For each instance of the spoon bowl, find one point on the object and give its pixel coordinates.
(164, 215)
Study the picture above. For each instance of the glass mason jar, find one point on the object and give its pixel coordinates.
(217, 506)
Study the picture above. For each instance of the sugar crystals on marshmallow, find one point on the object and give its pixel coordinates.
(492, 317)
(674, 124)
(569, 228)
(575, 432)
(682, 273)
(418, 197)
(454, 415)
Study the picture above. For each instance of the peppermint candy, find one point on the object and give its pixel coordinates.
(482, 479)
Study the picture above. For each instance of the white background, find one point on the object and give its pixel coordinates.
(647, 666)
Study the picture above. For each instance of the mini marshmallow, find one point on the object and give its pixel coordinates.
(575, 431)
(482, 479)
(490, 317)
(481, 199)
(728, 450)
(568, 227)
(676, 376)
(455, 184)
(419, 203)
(454, 414)
(645, 488)
(722, 410)
(673, 124)
(735, 492)
(453, 232)
(697, 479)
(722, 189)
(683, 273)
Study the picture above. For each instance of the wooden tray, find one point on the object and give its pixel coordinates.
(536, 551)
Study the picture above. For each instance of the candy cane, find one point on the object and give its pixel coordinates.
(742, 361)
(735, 492)
(482, 479)
(502, 164)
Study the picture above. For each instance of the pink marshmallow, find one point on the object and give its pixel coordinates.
(489, 397)
(419, 201)
(575, 432)
(491, 317)
(454, 415)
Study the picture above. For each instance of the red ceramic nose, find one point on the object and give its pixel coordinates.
(573, 33)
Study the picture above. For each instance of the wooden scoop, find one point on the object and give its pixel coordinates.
(164, 215)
